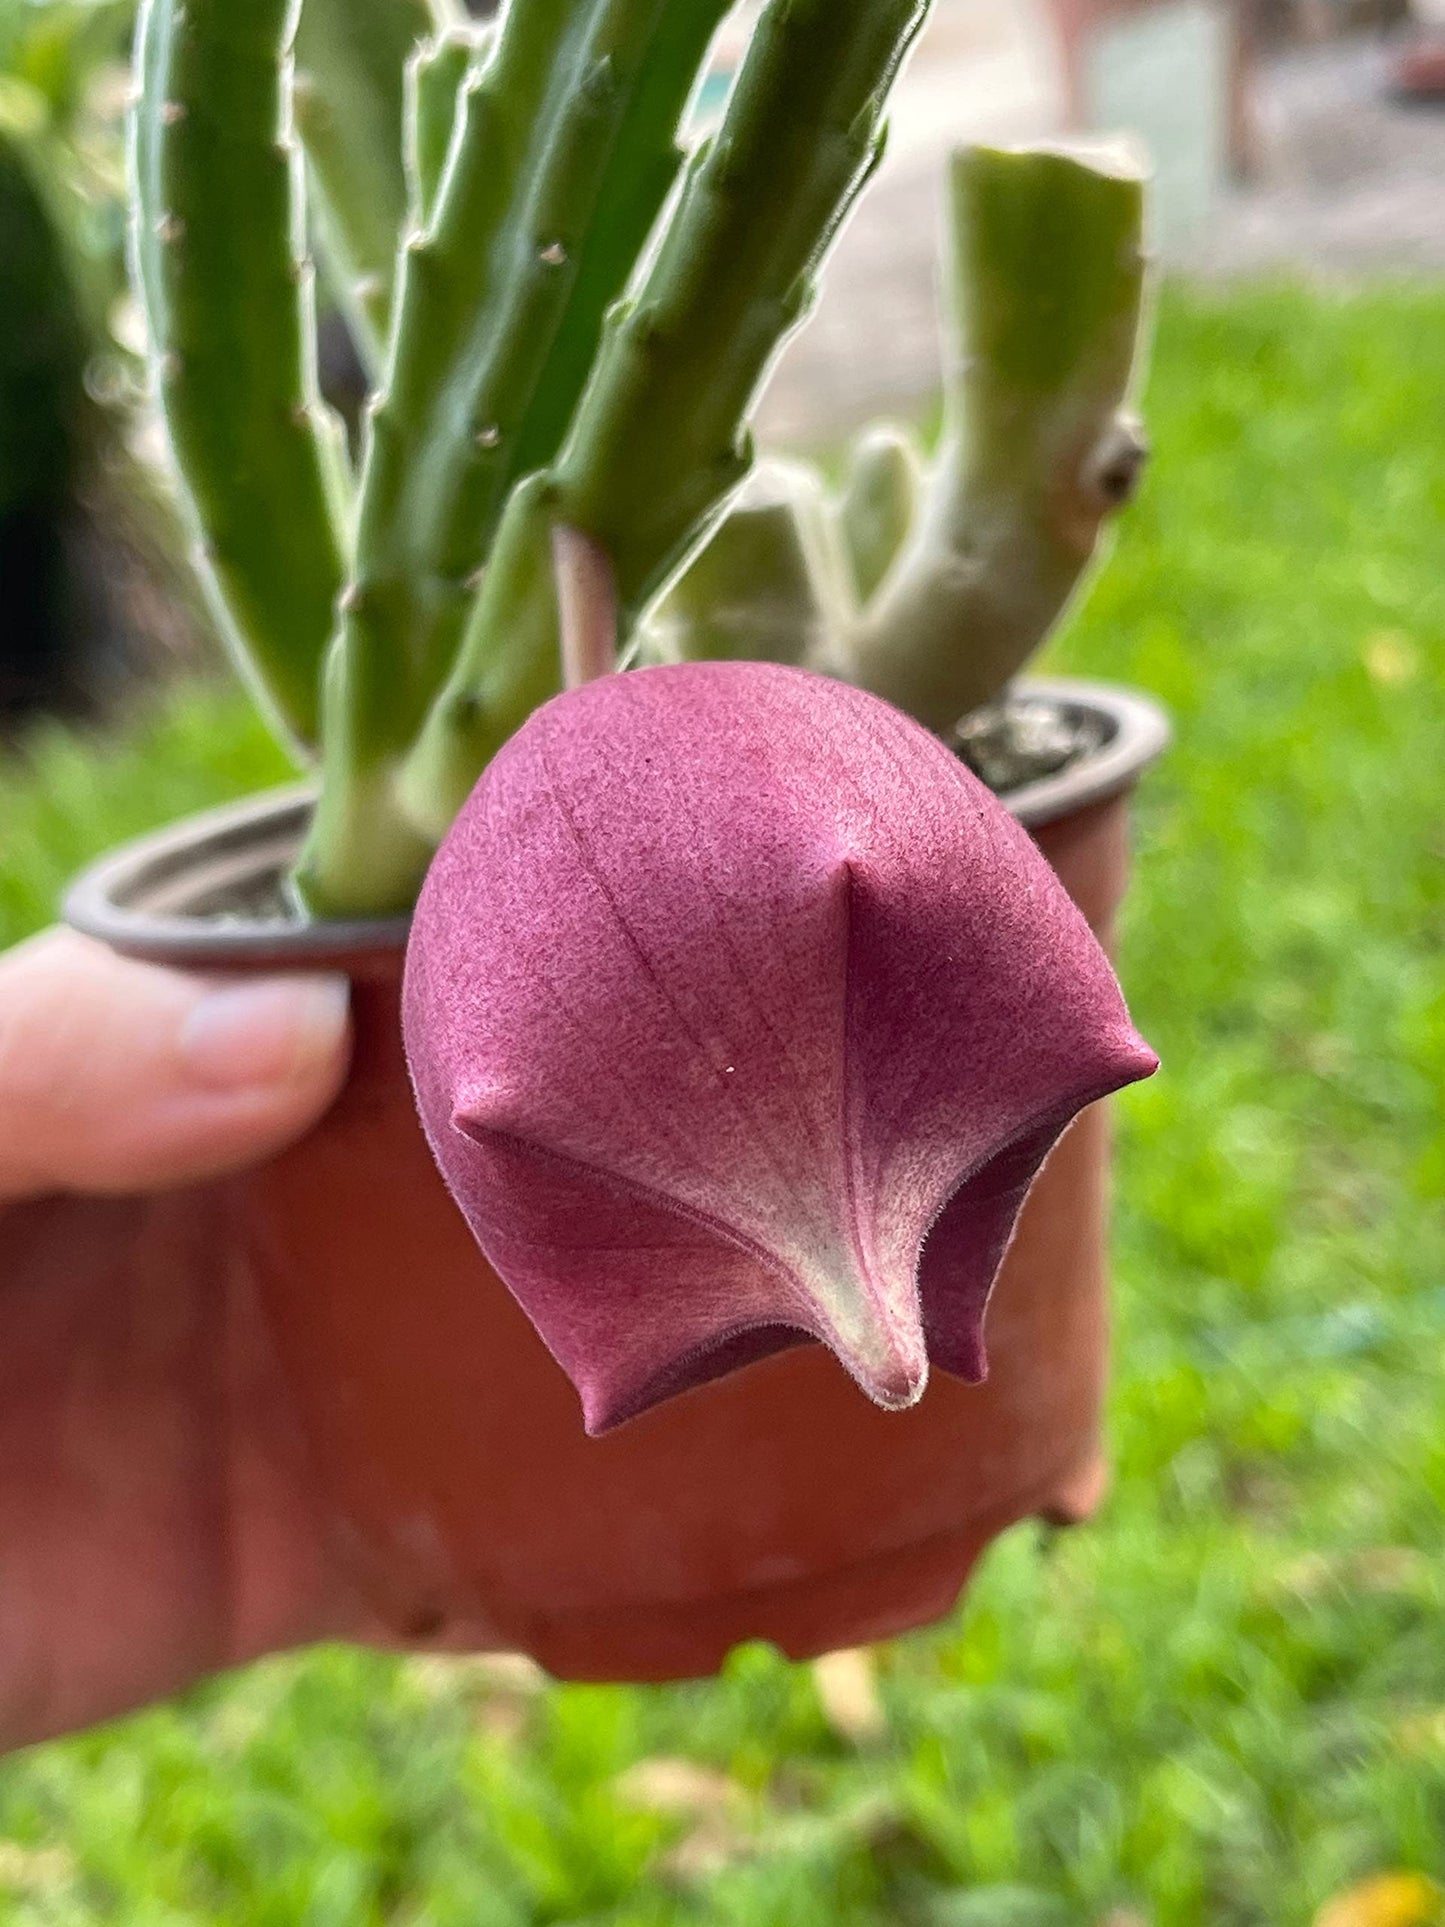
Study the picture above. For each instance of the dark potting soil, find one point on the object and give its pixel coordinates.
(258, 899)
(1024, 738)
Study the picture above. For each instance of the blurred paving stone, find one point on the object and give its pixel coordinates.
(1349, 183)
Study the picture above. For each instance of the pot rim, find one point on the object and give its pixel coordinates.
(140, 898)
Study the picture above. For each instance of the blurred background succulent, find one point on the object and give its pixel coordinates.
(90, 591)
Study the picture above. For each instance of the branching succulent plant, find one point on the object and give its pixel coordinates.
(568, 323)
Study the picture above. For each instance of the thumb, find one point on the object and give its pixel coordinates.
(118, 1076)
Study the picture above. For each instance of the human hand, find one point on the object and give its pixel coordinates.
(157, 1518)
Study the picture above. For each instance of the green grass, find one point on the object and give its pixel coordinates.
(1225, 1701)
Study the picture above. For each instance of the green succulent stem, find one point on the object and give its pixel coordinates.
(1041, 444)
(768, 584)
(227, 285)
(350, 59)
(509, 664)
(435, 76)
(880, 502)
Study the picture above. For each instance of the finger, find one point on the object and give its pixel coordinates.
(119, 1076)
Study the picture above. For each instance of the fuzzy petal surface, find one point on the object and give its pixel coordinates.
(741, 1015)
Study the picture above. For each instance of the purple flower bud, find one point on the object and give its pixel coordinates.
(741, 1015)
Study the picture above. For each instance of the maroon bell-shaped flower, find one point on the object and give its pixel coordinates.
(741, 1015)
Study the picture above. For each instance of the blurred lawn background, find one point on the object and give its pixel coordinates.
(1224, 1702)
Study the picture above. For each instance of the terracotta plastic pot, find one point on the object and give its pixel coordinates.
(777, 1504)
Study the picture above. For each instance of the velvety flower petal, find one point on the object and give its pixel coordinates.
(729, 991)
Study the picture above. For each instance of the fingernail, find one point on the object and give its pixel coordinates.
(272, 1031)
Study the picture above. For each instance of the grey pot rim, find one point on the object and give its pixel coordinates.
(148, 897)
